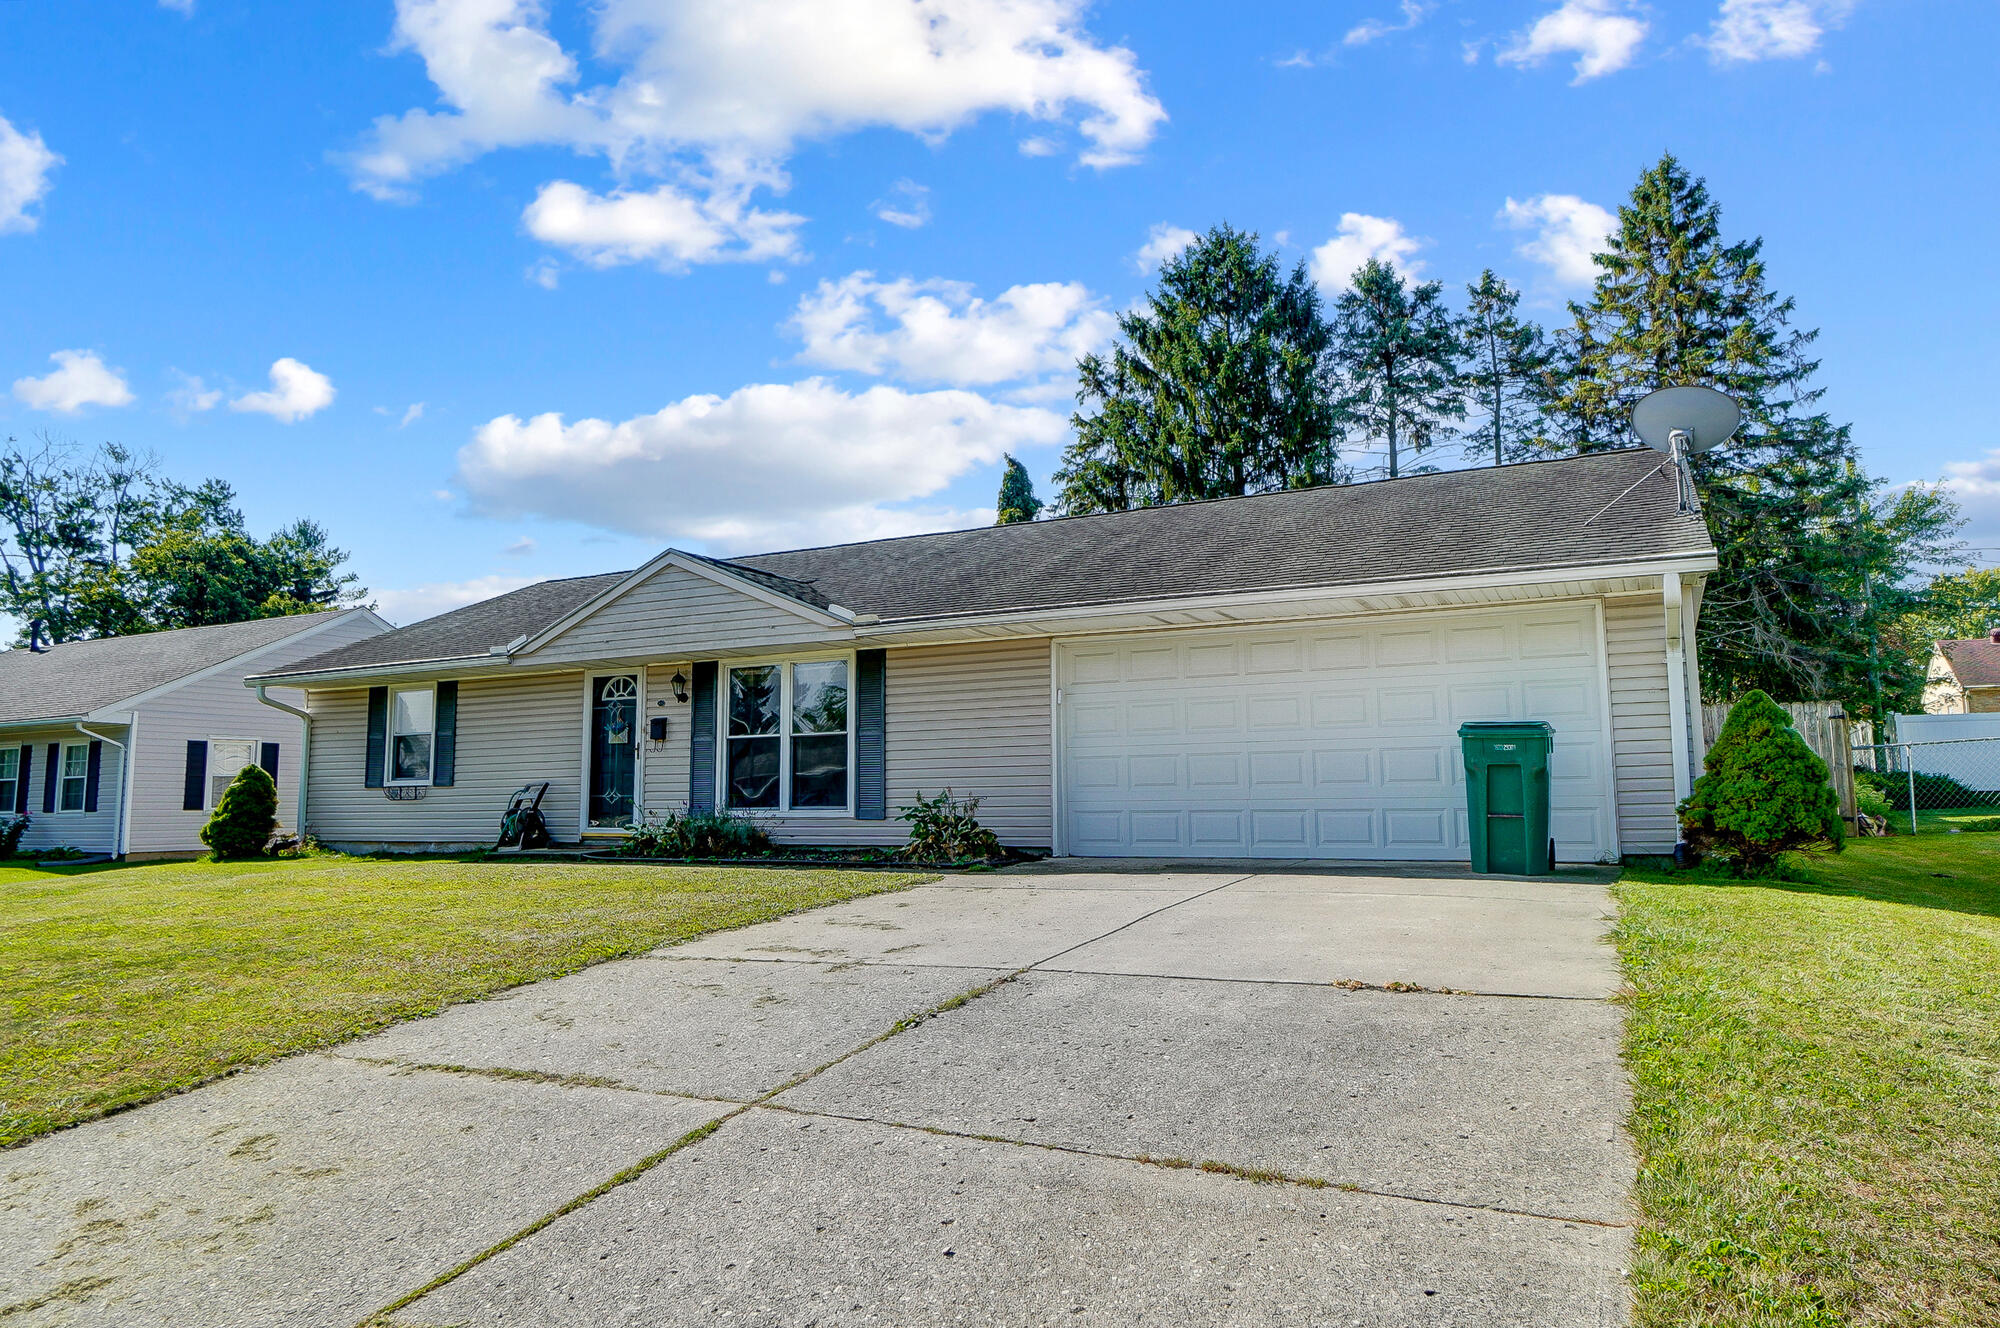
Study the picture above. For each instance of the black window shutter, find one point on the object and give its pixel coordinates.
(54, 769)
(194, 780)
(267, 756)
(701, 740)
(21, 785)
(91, 774)
(378, 734)
(871, 732)
(444, 759)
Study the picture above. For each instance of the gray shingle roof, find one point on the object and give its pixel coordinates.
(1975, 663)
(1456, 522)
(1512, 518)
(78, 677)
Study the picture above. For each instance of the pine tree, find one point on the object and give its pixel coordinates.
(1217, 387)
(245, 817)
(1395, 354)
(1507, 379)
(1808, 563)
(1017, 501)
(1762, 792)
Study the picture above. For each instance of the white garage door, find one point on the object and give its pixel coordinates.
(1335, 741)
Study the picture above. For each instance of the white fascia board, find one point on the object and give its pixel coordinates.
(1305, 595)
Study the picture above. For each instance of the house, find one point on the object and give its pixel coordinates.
(1964, 677)
(122, 745)
(1280, 675)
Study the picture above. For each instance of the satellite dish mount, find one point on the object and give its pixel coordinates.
(1684, 421)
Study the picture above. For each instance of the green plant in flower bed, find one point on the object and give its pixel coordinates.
(697, 835)
(947, 829)
(11, 830)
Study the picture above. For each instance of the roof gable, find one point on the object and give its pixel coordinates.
(1974, 663)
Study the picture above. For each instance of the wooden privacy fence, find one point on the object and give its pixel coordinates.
(1826, 729)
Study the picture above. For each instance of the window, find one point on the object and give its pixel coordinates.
(10, 779)
(412, 716)
(226, 759)
(75, 777)
(786, 737)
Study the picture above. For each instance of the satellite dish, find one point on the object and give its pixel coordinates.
(1707, 418)
(1682, 421)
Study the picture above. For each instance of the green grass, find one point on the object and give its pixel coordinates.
(122, 984)
(1816, 1079)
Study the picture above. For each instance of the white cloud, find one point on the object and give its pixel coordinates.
(545, 272)
(79, 379)
(714, 95)
(940, 332)
(1567, 232)
(1368, 30)
(1748, 30)
(1040, 145)
(297, 391)
(1604, 35)
(907, 204)
(191, 395)
(412, 415)
(663, 225)
(520, 548)
(769, 465)
(25, 164)
(1976, 486)
(1165, 241)
(416, 603)
(184, 8)
(1360, 238)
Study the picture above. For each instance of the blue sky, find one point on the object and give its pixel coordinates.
(499, 290)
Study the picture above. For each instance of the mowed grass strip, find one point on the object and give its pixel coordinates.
(1816, 1077)
(121, 985)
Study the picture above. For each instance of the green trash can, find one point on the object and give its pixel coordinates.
(1507, 796)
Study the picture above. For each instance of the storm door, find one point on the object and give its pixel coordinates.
(614, 719)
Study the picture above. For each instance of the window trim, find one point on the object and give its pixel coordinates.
(63, 777)
(785, 735)
(584, 829)
(389, 779)
(256, 751)
(12, 750)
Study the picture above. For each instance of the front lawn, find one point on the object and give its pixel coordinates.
(121, 984)
(1816, 1077)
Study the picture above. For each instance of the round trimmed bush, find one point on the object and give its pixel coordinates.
(1763, 791)
(243, 821)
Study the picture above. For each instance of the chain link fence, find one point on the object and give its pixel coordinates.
(1933, 787)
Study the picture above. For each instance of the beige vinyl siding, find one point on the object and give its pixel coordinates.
(677, 612)
(93, 832)
(220, 706)
(511, 730)
(1642, 748)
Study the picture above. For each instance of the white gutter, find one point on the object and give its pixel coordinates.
(1677, 695)
(305, 749)
(124, 778)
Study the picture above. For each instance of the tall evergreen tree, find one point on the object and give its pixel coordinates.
(1017, 501)
(1396, 360)
(1507, 378)
(1811, 564)
(1217, 387)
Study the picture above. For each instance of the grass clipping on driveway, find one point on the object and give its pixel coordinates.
(118, 986)
(1816, 1077)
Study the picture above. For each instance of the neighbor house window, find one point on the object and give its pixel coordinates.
(412, 718)
(10, 779)
(786, 737)
(226, 759)
(75, 777)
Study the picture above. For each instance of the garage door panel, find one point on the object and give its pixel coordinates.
(1326, 742)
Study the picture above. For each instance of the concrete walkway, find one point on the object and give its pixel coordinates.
(975, 1103)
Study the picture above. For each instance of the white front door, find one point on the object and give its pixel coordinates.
(1332, 741)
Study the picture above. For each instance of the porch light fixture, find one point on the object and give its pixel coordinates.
(680, 686)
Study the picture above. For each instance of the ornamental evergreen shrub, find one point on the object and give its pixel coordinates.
(1763, 791)
(245, 817)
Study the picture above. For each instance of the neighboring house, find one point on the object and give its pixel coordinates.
(122, 745)
(1281, 675)
(1964, 677)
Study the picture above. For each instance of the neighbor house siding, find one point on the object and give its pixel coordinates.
(511, 731)
(1642, 753)
(677, 612)
(220, 706)
(93, 832)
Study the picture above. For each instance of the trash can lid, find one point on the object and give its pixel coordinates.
(1473, 727)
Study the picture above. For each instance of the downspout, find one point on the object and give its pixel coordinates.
(305, 749)
(1677, 695)
(124, 785)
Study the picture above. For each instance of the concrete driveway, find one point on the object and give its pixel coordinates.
(1188, 1094)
